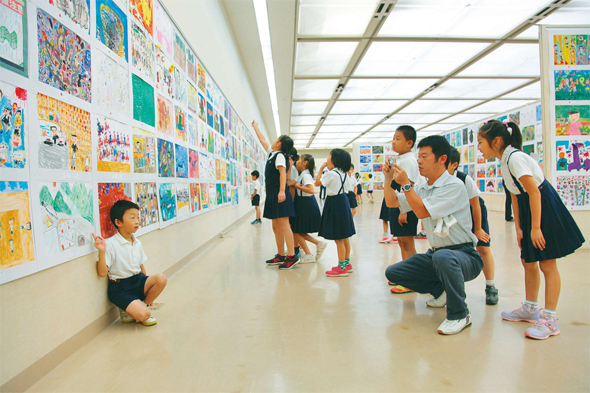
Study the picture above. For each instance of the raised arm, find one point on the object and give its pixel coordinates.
(318, 180)
(101, 266)
(261, 137)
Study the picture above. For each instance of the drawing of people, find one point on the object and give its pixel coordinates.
(573, 123)
(6, 119)
(74, 147)
(16, 138)
(11, 224)
(54, 135)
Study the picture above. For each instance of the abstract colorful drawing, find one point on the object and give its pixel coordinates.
(165, 116)
(142, 10)
(77, 10)
(209, 114)
(212, 195)
(481, 184)
(144, 153)
(183, 199)
(210, 141)
(191, 65)
(67, 216)
(164, 75)
(204, 196)
(13, 29)
(528, 133)
(365, 159)
(219, 194)
(515, 118)
(108, 74)
(114, 146)
(179, 51)
(491, 170)
(464, 154)
(491, 185)
(193, 97)
(572, 120)
(165, 158)
(195, 197)
(202, 136)
(146, 197)
(528, 149)
(181, 161)
(570, 50)
(108, 194)
(13, 126)
(378, 158)
(144, 107)
(573, 155)
(377, 149)
(64, 57)
(191, 133)
(202, 78)
(111, 27)
(16, 236)
(202, 108)
(180, 91)
(167, 201)
(65, 134)
(377, 167)
(572, 85)
(180, 121)
(471, 154)
(574, 190)
(163, 31)
(142, 52)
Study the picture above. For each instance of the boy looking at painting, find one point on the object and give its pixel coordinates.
(122, 257)
(256, 196)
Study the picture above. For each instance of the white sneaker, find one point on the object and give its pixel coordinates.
(150, 321)
(320, 250)
(385, 239)
(307, 258)
(439, 302)
(125, 317)
(455, 326)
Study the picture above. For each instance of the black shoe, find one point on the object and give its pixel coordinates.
(277, 260)
(289, 262)
(491, 295)
(510, 219)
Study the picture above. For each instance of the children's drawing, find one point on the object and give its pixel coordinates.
(191, 65)
(202, 108)
(574, 190)
(528, 149)
(465, 134)
(209, 114)
(377, 167)
(144, 153)
(181, 153)
(113, 146)
(146, 197)
(180, 121)
(165, 116)
(366, 168)
(179, 51)
(183, 199)
(163, 31)
(195, 201)
(111, 27)
(212, 195)
(164, 75)
(65, 136)
(528, 133)
(143, 11)
(204, 196)
(471, 153)
(108, 194)
(167, 201)
(64, 57)
(491, 185)
(219, 194)
(13, 126)
(191, 133)
(572, 120)
(193, 163)
(481, 171)
(464, 154)
(570, 49)
(193, 97)
(481, 184)
(180, 91)
(165, 158)
(573, 155)
(144, 107)
(77, 10)
(202, 78)
(216, 120)
(142, 52)
(572, 85)
(515, 118)
(202, 136)
(540, 150)
(108, 74)
(491, 170)
(16, 236)
(13, 30)
(210, 141)
(378, 158)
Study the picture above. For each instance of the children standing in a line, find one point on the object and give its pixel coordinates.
(337, 223)
(370, 188)
(278, 205)
(359, 189)
(307, 210)
(480, 228)
(545, 229)
(350, 188)
(256, 196)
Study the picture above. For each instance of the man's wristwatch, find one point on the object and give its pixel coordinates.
(407, 187)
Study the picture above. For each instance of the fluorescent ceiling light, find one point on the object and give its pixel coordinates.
(411, 119)
(368, 107)
(438, 106)
(531, 91)
(344, 129)
(335, 17)
(304, 120)
(323, 58)
(353, 119)
(385, 88)
(499, 106)
(508, 60)
(314, 89)
(309, 108)
(474, 88)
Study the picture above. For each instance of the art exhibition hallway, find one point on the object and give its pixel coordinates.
(231, 324)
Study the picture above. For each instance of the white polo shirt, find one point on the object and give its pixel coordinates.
(349, 184)
(280, 161)
(123, 258)
(332, 181)
(257, 186)
(521, 164)
(472, 190)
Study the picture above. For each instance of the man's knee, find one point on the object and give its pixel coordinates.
(442, 259)
(392, 273)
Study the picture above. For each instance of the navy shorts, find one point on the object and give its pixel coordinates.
(408, 229)
(122, 293)
(256, 200)
(369, 191)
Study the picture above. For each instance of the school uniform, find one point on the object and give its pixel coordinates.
(371, 186)
(409, 164)
(256, 198)
(272, 208)
(306, 207)
(561, 233)
(336, 221)
(472, 192)
(349, 188)
(359, 187)
(293, 175)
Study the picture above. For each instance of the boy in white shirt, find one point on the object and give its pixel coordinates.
(370, 188)
(122, 257)
(255, 198)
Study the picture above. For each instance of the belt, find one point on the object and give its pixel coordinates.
(452, 247)
(117, 280)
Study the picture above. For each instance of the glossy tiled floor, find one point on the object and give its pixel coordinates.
(232, 324)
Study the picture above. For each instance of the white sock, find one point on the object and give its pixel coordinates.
(490, 283)
(385, 234)
(550, 313)
(529, 304)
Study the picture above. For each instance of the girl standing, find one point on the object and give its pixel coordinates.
(350, 188)
(545, 229)
(359, 188)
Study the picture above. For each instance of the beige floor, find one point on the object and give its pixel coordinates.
(232, 324)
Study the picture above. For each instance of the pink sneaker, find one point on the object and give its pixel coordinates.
(393, 239)
(349, 268)
(385, 239)
(337, 272)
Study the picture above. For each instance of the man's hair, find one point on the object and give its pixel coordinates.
(119, 208)
(256, 173)
(439, 145)
(409, 133)
(455, 157)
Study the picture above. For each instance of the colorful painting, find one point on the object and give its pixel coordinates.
(77, 10)
(490, 185)
(528, 133)
(202, 108)
(163, 31)
(540, 150)
(146, 197)
(108, 194)
(164, 75)
(180, 121)
(471, 153)
(572, 120)
(210, 141)
(16, 236)
(573, 155)
(191, 65)
(570, 50)
(142, 52)
(165, 116)
(142, 10)
(202, 136)
(13, 30)
(574, 191)
(165, 158)
(13, 126)
(193, 162)
(204, 196)
(481, 184)
(191, 133)
(179, 51)
(180, 90)
(64, 57)
(377, 167)
(144, 107)
(464, 154)
(195, 197)
(515, 118)
(209, 114)
(193, 97)
(183, 199)
(111, 27)
(113, 145)
(378, 159)
(144, 153)
(491, 170)
(212, 195)
(167, 201)
(572, 85)
(108, 74)
(65, 136)
(528, 149)
(481, 171)
(181, 161)
(202, 78)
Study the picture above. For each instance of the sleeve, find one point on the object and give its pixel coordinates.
(280, 161)
(472, 190)
(326, 179)
(256, 185)
(446, 200)
(307, 179)
(143, 256)
(109, 255)
(404, 206)
(519, 167)
(410, 165)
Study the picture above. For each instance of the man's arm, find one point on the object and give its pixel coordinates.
(413, 199)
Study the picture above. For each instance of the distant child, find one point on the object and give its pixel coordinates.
(480, 228)
(255, 198)
(307, 210)
(350, 189)
(337, 223)
(122, 257)
(292, 175)
(545, 229)
(278, 205)
(384, 217)
(359, 188)
(370, 188)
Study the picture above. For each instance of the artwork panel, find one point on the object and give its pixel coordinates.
(570, 49)
(14, 143)
(108, 194)
(192, 97)
(183, 200)
(180, 89)
(572, 120)
(179, 51)
(164, 75)
(181, 155)
(16, 232)
(14, 46)
(108, 74)
(111, 27)
(193, 162)
(574, 191)
(163, 29)
(146, 197)
(573, 155)
(144, 107)
(113, 146)
(142, 10)
(572, 85)
(180, 121)
(142, 52)
(167, 202)
(166, 123)
(191, 65)
(144, 152)
(166, 163)
(202, 82)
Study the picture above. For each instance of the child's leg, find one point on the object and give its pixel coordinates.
(407, 246)
(138, 311)
(258, 212)
(286, 234)
(346, 248)
(353, 210)
(532, 280)
(280, 240)
(488, 262)
(341, 251)
(154, 286)
(385, 226)
(311, 239)
(299, 238)
(552, 283)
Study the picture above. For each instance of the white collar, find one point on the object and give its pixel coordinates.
(122, 240)
(440, 181)
(401, 156)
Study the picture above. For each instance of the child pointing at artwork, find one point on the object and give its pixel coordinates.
(122, 257)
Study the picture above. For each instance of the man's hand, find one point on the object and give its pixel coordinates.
(99, 243)
(402, 219)
(400, 176)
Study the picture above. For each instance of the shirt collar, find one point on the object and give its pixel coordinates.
(440, 181)
(506, 153)
(410, 153)
(122, 240)
(304, 172)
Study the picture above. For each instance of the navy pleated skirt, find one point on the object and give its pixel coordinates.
(337, 220)
(484, 223)
(561, 233)
(359, 189)
(308, 215)
(352, 199)
(273, 209)
(384, 213)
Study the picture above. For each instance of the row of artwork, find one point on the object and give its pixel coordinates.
(372, 158)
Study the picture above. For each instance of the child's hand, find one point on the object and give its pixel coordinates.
(254, 124)
(99, 243)
(281, 196)
(482, 235)
(402, 219)
(538, 239)
(519, 237)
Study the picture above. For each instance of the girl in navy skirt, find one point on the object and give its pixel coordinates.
(545, 229)
(359, 188)
(337, 221)
(384, 217)
(307, 210)
(278, 205)
(350, 189)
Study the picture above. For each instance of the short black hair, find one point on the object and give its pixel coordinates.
(119, 208)
(352, 166)
(256, 173)
(286, 143)
(409, 133)
(455, 156)
(341, 159)
(440, 146)
(294, 154)
(370, 175)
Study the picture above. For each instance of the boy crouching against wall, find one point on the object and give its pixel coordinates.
(122, 257)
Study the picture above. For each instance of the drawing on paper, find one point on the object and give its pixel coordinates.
(165, 116)
(193, 163)
(183, 199)
(164, 75)
(204, 196)
(471, 154)
(167, 201)
(77, 10)
(570, 49)
(191, 130)
(195, 197)
(111, 27)
(144, 153)
(573, 155)
(202, 79)
(114, 146)
(108, 194)
(192, 97)
(143, 11)
(165, 158)
(13, 30)
(67, 215)
(574, 190)
(16, 236)
(143, 101)
(191, 65)
(179, 51)
(64, 57)
(202, 136)
(108, 74)
(180, 121)
(528, 149)
(572, 85)
(202, 108)
(163, 31)
(180, 91)
(142, 52)
(528, 133)
(491, 185)
(515, 118)
(572, 120)
(209, 114)
(65, 136)
(216, 121)
(181, 153)
(13, 126)
(146, 197)
(464, 154)
(365, 150)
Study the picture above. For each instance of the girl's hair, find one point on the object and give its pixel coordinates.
(341, 159)
(495, 128)
(357, 174)
(310, 163)
(286, 143)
